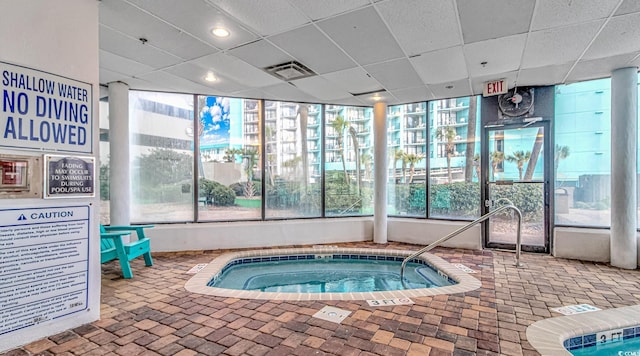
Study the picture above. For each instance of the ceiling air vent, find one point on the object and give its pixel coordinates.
(290, 71)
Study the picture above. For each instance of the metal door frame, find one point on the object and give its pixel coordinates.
(547, 151)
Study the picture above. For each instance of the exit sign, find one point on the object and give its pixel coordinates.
(495, 87)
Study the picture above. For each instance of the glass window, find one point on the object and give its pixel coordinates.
(582, 153)
(161, 149)
(349, 161)
(229, 165)
(104, 162)
(293, 158)
(454, 158)
(407, 150)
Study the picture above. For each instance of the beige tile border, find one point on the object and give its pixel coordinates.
(198, 283)
(548, 335)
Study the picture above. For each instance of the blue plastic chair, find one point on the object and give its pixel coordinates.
(112, 246)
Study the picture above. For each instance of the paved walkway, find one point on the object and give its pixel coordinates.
(152, 314)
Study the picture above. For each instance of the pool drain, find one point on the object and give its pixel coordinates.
(332, 314)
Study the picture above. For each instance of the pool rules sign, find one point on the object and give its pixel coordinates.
(69, 176)
(43, 111)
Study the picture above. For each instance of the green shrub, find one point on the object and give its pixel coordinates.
(238, 189)
(220, 194)
(341, 198)
(458, 199)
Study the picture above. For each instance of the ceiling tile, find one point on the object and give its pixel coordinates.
(354, 80)
(133, 22)
(249, 94)
(317, 10)
(501, 55)
(628, 6)
(395, 74)
(260, 54)
(313, 49)
(142, 84)
(196, 74)
(412, 95)
(198, 18)
(544, 75)
(636, 61)
(460, 88)
(363, 35)
(598, 68)
(320, 88)
(554, 13)
(266, 17)
(620, 35)
(174, 82)
(558, 45)
(288, 92)
(123, 46)
(441, 66)
(411, 20)
(122, 65)
(488, 19)
(108, 76)
(372, 99)
(236, 69)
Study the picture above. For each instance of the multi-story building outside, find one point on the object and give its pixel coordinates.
(408, 133)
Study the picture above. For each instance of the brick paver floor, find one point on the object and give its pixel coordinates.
(152, 314)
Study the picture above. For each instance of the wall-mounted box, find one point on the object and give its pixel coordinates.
(20, 177)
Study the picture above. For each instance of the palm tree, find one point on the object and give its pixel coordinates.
(356, 151)
(339, 124)
(269, 133)
(404, 167)
(412, 159)
(520, 158)
(497, 157)
(303, 111)
(470, 158)
(560, 153)
(535, 152)
(367, 162)
(476, 164)
(395, 157)
(448, 135)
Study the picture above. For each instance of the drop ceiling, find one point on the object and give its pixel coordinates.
(408, 50)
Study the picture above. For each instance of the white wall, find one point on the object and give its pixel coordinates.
(584, 244)
(209, 236)
(204, 236)
(59, 38)
(424, 232)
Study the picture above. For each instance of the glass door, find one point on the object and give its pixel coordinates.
(516, 170)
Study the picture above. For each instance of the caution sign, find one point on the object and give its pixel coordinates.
(44, 264)
(69, 177)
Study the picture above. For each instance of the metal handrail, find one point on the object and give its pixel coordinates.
(465, 228)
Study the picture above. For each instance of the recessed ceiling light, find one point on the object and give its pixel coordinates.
(376, 97)
(220, 32)
(210, 77)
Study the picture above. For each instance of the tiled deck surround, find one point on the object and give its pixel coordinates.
(152, 314)
(198, 283)
(548, 335)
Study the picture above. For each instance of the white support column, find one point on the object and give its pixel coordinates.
(380, 173)
(119, 175)
(624, 116)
